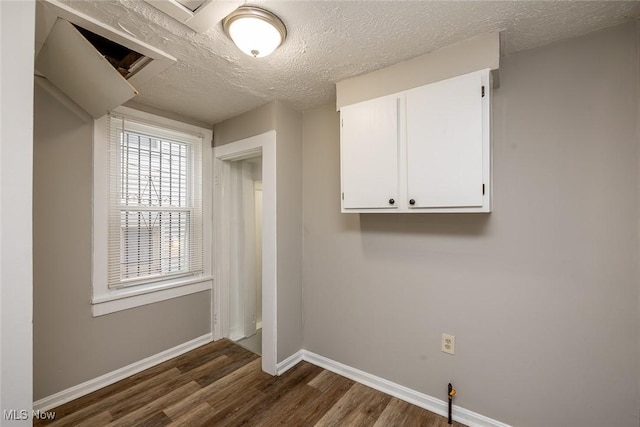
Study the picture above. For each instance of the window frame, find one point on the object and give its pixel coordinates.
(105, 299)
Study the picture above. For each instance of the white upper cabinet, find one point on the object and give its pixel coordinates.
(436, 153)
(369, 154)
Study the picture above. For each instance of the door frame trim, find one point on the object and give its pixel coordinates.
(265, 145)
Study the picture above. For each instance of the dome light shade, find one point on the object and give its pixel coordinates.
(256, 32)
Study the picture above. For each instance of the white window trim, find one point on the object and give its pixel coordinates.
(105, 300)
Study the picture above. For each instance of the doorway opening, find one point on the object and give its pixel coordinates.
(245, 281)
(245, 201)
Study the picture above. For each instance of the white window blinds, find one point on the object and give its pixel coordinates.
(155, 203)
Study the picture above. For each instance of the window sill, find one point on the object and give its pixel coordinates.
(122, 299)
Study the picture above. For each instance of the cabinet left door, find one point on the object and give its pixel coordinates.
(369, 155)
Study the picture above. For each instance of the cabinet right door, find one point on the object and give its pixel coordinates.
(445, 143)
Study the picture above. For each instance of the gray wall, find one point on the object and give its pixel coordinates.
(289, 223)
(288, 126)
(71, 346)
(542, 294)
(251, 123)
(638, 259)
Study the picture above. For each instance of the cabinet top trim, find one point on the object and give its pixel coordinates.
(485, 71)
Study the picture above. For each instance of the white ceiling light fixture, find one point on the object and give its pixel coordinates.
(256, 32)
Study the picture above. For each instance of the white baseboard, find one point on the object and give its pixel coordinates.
(461, 415)
(289, 362)
(87, 387)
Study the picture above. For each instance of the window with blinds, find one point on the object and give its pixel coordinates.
(155, 195)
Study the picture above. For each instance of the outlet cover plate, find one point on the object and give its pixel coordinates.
(448, 343)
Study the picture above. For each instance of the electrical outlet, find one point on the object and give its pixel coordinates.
(448, 344)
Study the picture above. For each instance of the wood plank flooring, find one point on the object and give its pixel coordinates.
(221, 384)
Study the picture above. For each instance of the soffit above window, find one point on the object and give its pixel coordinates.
(95, 65)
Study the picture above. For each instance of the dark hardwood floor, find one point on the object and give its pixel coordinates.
(221, 384)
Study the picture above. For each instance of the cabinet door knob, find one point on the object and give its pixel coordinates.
(391, 201)
(412, 202)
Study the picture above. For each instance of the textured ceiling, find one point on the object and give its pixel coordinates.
(329, 41)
